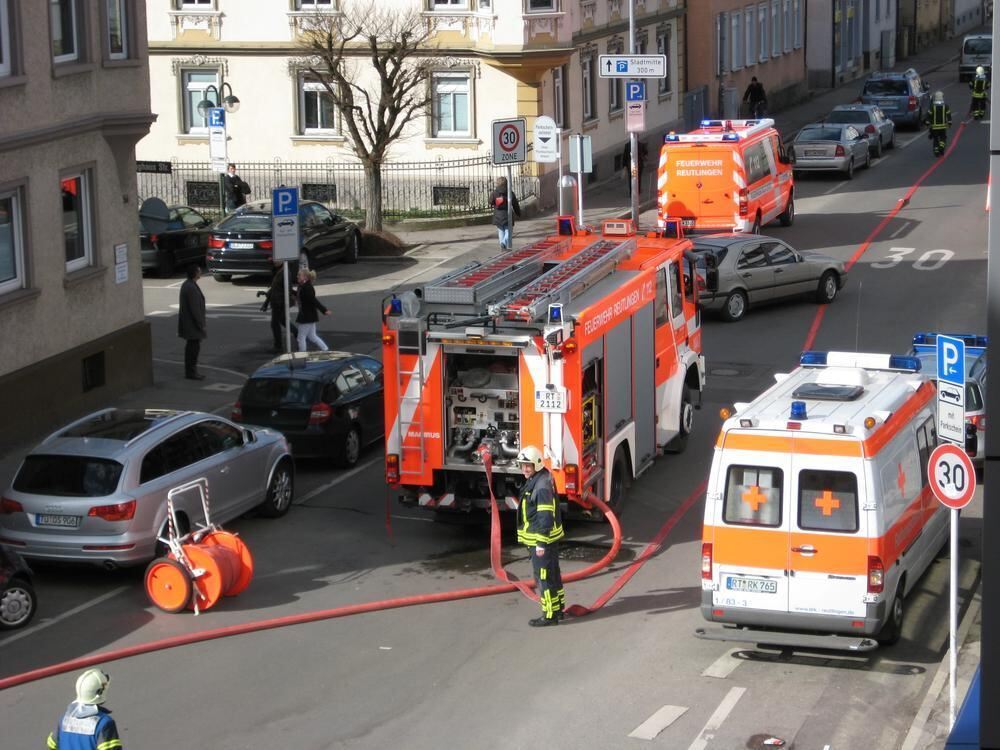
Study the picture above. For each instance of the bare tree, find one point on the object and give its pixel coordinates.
(393, 42)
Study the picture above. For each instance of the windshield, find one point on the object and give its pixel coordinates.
(979, 46)
(247, 223)
(280, 392)
(68, 476)
(848, 116)
(819, 134)
(885, 88)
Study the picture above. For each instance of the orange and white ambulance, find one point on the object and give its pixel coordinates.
(726, 176)
(819, 517)
(585, 344)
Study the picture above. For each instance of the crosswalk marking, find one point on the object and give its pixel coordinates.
(722, 667)
(217, 311)
(656, 723)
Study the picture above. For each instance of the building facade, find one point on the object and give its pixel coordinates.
(847, 39)
(74, 98)
(491, 59)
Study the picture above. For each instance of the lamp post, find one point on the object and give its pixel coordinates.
(231, 104)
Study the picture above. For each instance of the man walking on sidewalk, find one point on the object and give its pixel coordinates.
(191, 321)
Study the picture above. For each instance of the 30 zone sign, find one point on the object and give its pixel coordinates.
(509, 145)
(952, 476)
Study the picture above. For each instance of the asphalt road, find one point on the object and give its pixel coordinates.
(472, 673)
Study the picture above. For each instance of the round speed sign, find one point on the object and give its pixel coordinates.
(952, 476)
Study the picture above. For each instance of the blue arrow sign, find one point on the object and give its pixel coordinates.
(951, 360)
(635, 91)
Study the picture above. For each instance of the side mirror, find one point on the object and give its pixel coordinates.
(248, 437)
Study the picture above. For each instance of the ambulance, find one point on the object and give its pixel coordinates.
(818, 517)
(586, 344)
(726, 176)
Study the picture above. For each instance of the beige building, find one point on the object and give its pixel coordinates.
(74, 98)
(498, 59)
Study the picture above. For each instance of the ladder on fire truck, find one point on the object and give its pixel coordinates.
(566, 281)
(407, 384)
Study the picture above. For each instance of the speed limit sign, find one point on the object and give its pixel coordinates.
(952, 476)
(509, 145)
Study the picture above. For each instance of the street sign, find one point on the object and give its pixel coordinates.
(285, 223)
(952, 476)
(951, 388)
(509, 146)
(635, 91)
(635, 117)
(633, 66)
(580, 151)
(217, 146)
(546, 140)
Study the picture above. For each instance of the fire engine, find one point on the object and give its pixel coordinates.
(586, 344)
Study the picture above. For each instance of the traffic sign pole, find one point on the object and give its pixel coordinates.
(633, 139)
(953, 619)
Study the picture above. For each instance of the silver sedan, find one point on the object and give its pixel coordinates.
(822, 147)
(869, 120)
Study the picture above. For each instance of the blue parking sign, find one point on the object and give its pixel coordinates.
(951, 360)
(635, 91)
(285, 201)
(216, 117)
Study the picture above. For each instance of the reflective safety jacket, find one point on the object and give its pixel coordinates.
(539, 519)
(939, 117)
(85, 727)
(979, 86)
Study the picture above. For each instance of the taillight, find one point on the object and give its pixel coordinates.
(977, 420)
(572, 476)
(117, 512)
(8, 506)
(237, 413)
(265, 245)
(216, 242)
(320, 413)
(876, 575)
(840, 151)
(744, 208)
(392, 468)
(706, 561)
(154, 238)
(870, 129)
(911, 103)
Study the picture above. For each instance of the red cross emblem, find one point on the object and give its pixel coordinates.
(754, 498)
(827, 503)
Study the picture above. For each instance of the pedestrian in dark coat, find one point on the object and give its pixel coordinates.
(274, 300)
(191, 321)
(236, 189)
(501, 214)
(309, 310)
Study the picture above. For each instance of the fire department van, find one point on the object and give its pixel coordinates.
(727, 175)
(585, 344)
(819, 517)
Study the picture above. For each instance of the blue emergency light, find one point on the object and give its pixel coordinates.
(730, 137)
(902, 362)
(671, 138)
(813, 359)
(555, 313)
(798, 410)
(566, 226)
(396, 306)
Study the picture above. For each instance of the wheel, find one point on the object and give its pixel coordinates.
(755, 229)
(17, 604)
(165, 263)
(893, 628)
(223, 277)
(850, 169)
(827, 290)
(350, 449)
(353, 248)
(679, 443)
(736, 306)
(206, 589)
(878, 148)
(278, 499)
(168, 585)
(788, 217)
(868, 159)
(619, 484)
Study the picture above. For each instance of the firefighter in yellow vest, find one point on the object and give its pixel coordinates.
(540, 529)
(979, 85)
(938, 120)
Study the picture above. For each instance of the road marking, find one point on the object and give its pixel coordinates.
(902, 227)
(658, 722)
(202, 367)
(334, 482)
(161, 312)
(412, 518)
(421, 272)
(59, 618)
(708, 731)
(722, 667)
(222, 387)
(835, 187)
(914, 139)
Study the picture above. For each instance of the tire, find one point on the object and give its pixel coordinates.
(868, 160)
(165, 263)
(223, 277)
(892, 630)
(349, 451)
(755, 229)
(353, 248)
(849, 174)
(736, 306)
(168, 585)
(892, 139)
(17, 604)
(619, 483)
(679, 443)
(280, 491)
(827, 290)
(788, 217)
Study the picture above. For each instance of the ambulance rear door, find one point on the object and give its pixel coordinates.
(828, 553)
(700, 185)
(761, 177)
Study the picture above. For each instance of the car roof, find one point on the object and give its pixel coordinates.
(891, 74)
(305, 365)
(264, 207)
(729, 238)
(854, 107)
(977, 36)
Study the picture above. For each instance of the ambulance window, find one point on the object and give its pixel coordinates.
(828, 501)
(753, 496)
(926, 442)
(757, 164)
(676, 290)
(662, 312)
(753, 257)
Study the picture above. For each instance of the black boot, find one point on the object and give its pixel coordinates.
(543, 622)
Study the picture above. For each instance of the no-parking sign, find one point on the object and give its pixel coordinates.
(509, 145)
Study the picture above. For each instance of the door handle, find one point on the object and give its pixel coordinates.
(805, 549)
(746, 275)
(779, 270)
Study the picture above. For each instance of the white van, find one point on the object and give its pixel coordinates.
(977, 49)
(819, 517)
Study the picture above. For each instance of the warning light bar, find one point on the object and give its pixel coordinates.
(897, 362)
(974, 345)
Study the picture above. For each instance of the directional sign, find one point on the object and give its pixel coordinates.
(635, 91)
(632, 66)
(635, 117)
(285, 223)
(509, 146)
(951, 388)
(217, 146)
(952, 476)
(546, 144)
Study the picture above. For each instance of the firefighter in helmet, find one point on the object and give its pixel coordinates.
(540, 529)
(979, 86)
(87, 725)
(938, 120)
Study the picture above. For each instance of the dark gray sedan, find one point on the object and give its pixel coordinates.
(822, 147)
(869, 120)
(755, 269)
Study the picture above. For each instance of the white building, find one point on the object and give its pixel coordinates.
(74, 99)
(498, 59)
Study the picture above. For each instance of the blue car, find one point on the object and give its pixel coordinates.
(902, 96)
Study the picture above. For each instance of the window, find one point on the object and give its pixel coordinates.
(779, 254)
(117, 30)
(197, 4)
(191, 218)
(559, 96)
(315, 4)
(757, 165)
(12, 276)
(195, 85)
(616, 86)
(372, 368)
(797, 23)
(587, 65)
(218, 437)
(350, 379)
(775, 28)
(68, 476)
(450, 104)
(721, 44)
(926, 442)
(788, 26)
(661, 310)
(752, 257)
(63, 24)
(753, 496)
(448, 4)
(676, 290)
(6, 64)
(176, 452)
(77, 229)
(736, 39)
(828, 501)
(664, 41)
(750, 35)
(541, 6)
(762, 36)
(317, 111)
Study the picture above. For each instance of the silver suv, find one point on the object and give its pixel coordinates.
(96, 491)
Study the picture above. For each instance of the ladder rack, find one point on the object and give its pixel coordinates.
(566, 281)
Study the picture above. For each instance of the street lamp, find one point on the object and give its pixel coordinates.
(231, 104)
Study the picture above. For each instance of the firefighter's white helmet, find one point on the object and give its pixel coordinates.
(980, 70)
(531, 455)
(938, 97)
(92, 686)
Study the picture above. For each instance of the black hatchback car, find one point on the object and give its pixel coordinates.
(17, 595)
(242, 243)
(325, 403)
(182, 242)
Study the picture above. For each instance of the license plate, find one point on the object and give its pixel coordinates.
(241, 245)
(552, 400)
(752, 585)
(815, 153)
(887, 103)
(70, 522)
(686, 223)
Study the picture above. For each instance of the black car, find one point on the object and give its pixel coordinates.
(242, 244)
(183, 242)
(325, 403)
(17, 595)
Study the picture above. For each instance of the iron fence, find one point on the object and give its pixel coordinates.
(410, 190)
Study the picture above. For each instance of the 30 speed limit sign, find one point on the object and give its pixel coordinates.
(952, 476)
(509, 145)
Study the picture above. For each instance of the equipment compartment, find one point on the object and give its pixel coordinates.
(482, 407)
